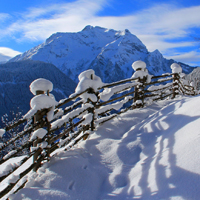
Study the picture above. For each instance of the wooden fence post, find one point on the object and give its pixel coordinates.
(176, 70)
(41, 87)
(136, 93)
(143, 81)
(37, 118)
(141, 73)
(92, 110)
(139, 95)
(175, 84)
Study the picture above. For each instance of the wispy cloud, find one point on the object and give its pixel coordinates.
(4, 16)
(189, 57)
(169, 20)
(40, 23)
(155, 26)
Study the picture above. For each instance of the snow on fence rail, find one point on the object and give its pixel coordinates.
(51, 127)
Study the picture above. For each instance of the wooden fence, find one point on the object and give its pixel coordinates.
(75, 122)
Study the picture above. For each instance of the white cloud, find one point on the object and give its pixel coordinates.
(191, 57)
(40, 23)
(158, 42)
(169, 20)
(163, 19)
(8, 52)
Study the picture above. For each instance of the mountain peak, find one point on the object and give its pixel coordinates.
(156, 52)
(127, 31)
(89, 27)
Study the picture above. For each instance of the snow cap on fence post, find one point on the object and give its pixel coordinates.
(139, 65)
(176, 68)
(41, 86)
(141, 71)
(88, 79)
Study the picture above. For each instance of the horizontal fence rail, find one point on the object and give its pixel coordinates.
(74, 123)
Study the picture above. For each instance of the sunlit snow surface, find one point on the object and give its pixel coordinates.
(150, 153)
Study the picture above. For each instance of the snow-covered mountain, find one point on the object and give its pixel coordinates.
(110, 53)
(15, 78)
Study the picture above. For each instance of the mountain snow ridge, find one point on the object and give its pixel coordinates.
(109, 52)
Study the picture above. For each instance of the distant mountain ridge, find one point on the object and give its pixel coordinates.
(4, 58)
(15, 78)
(110, 53)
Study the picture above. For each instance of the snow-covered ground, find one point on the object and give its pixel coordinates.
(149, 153)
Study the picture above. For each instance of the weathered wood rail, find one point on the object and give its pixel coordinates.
(74, 123)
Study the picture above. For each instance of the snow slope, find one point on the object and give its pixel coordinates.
(148, 154)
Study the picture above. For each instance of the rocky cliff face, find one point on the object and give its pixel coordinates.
(110, 53)
(15, 78)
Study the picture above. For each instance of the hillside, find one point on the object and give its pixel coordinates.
(149, 153)
(4, 59)
(195, 76)
(109, 52)
(15, 78)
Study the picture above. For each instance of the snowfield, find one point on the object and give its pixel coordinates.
(147, 154)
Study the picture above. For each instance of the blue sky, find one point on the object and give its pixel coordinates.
(169, 26)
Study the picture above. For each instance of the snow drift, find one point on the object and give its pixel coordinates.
(149, 153)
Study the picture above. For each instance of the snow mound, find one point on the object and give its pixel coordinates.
(39, 133)
(88, 79)
(40, 102)
(141, 75)
(176, 68)
(141, 71)
(139, 65)
(41, 84)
